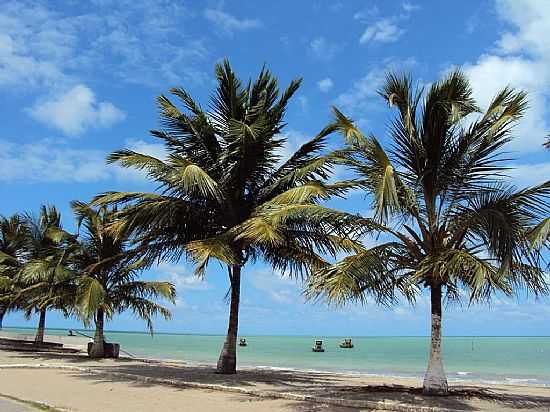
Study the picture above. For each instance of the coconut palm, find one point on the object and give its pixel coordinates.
(226, 193)
(13, 239)
(45, 280)
(108, 269)
(451, 221)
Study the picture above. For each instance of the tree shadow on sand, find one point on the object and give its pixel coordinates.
(323, 386)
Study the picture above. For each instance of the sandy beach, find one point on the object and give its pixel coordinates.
(76, 383)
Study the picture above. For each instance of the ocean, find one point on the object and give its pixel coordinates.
(524, 360)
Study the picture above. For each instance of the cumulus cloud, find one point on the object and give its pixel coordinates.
(75, 111)
(46, 161)
(180, 276)
(325, 85)
(230, 23)
(383, 31)
(323, 49)
(520, 58)
(278, 288)
(50, 161)
(133, 41)
(362, 97)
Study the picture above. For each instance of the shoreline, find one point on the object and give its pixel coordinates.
(459, 377)
(23, 373)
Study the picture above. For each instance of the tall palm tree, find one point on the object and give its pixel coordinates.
(225, 192)
(108, 269)
(45, 280)
(13, 239)
(450, 219)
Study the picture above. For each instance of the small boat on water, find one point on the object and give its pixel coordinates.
(318, 347)
(242, 342)
(346, 344)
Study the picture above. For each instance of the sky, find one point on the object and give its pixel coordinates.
(79, 80)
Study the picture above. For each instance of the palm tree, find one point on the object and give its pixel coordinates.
(45, 280)
(451, 221)
(108, 269)
(13, 239)
(225, 192)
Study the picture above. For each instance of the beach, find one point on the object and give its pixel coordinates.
(76, 383)
(486, 360)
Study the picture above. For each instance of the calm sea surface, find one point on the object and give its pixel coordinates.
(490, 359)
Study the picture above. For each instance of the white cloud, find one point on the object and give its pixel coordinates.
(361, 91)
(75, 111)
(278, 288)
(180, 276)
(408, 6)
(325, 85)
(151, 149)
(362, 96)
(323, 49)
(521, 59)
(230, 23)
(47, 161)
(53, 161)
(134, 41)
(526, 174)
(303, 102)
(383, 31)
(293, 140)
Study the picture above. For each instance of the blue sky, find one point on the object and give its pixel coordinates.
(78, 80)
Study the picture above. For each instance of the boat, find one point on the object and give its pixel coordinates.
(346, 344)
(242, 342)
(318, 347)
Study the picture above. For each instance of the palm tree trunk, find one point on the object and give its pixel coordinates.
(227, 363)
(97, 349)
(41, 326)
(3, 311)
(435, 380)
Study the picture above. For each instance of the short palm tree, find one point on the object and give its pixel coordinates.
(45, 280)
(225, 192)
(13, 239)
(107, 275)
(451, 220)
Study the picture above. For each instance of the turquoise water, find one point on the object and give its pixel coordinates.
(490, 359)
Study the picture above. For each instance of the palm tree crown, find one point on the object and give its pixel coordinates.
(450, 221)
(107, 275)
(13, 241)
(225, 191)
(45, 281)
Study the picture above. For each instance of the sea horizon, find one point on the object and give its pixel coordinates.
(268, 335)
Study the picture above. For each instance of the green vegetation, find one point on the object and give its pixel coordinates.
(43, 267)
(107, 269)
(449, 223)
(226, 193)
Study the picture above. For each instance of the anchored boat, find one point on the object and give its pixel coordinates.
(318, 347)
(346, 344)
(242, 342)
